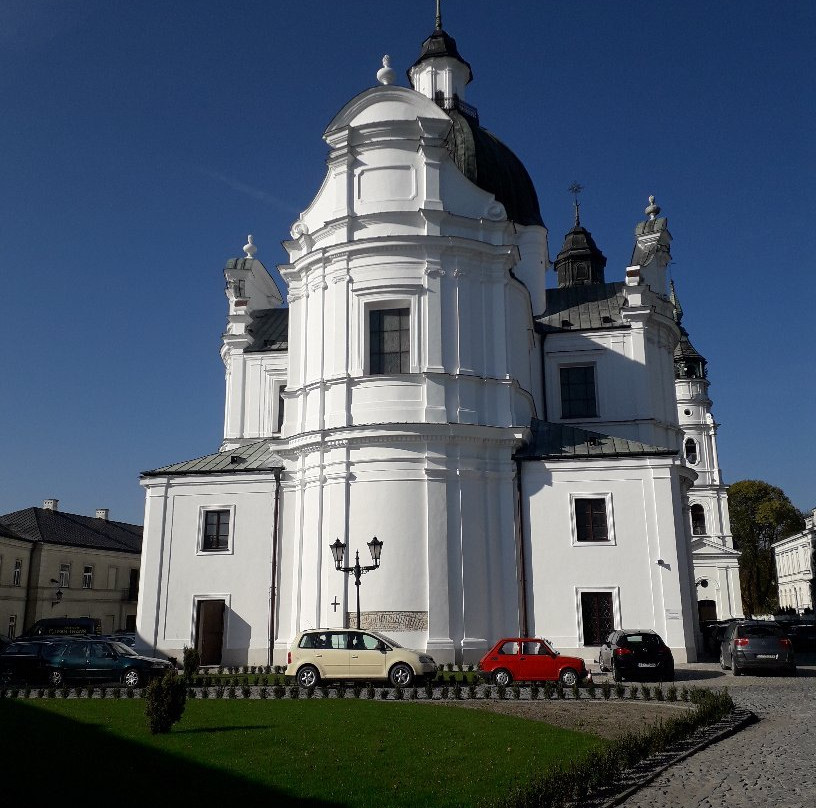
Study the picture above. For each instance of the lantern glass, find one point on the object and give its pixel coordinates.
(338, 551)
(375, 546)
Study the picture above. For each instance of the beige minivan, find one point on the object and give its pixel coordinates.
(338, 654)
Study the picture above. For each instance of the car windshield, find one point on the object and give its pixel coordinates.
(122, 649)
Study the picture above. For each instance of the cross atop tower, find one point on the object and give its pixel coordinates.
(576, 189)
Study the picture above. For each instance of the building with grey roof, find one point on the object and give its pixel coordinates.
(58, 564)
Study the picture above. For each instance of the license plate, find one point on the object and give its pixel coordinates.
(766, 656)
(647, 664)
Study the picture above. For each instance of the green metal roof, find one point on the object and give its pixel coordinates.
(564, 442)
(270, 330)
(575, 308)
(252, 457)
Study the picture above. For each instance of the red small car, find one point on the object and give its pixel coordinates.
(530, 659)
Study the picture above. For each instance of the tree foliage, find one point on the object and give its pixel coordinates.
(165, 700)
(760, 515)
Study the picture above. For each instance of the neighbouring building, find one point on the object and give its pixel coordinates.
(55, 564)
(521, 450)
(795, 559)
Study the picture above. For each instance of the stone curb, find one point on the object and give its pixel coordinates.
(652, 767)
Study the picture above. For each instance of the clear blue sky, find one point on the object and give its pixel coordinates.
(140, 142)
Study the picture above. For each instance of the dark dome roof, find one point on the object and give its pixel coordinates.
(488, 163)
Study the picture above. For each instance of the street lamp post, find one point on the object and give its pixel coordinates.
(338, 551)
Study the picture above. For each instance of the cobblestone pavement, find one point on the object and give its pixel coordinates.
(769, 764)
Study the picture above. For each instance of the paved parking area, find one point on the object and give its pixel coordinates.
(770, 764)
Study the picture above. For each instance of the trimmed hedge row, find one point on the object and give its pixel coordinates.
(572, 784)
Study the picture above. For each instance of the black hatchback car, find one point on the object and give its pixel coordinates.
(636, 654)
(757, 645)
(55, 661)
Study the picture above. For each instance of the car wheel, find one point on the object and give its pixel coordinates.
(401, 675)
(722, 661)
(56, 678)
(130, 678)
(308, 676)
(502, 677)
(617, 676)
(568, 677)
(735, 669)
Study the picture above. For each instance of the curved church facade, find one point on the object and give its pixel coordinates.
(518, 450)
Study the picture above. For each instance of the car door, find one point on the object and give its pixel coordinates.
(103, 663)
(74, 660)
(605, 652)
(725, 645)
(334, 657)
(537, 662)
(366, 656)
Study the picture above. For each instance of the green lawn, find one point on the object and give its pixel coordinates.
(295, 753)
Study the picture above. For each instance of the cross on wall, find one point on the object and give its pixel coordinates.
(335, 603)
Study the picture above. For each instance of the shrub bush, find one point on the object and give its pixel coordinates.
(606, 690)
(165, 699)
(671, 693)
(191, 661)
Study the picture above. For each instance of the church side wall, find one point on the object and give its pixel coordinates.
(443, 508)
(239, 576)
(645, 526)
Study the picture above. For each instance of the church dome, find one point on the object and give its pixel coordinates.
(488, 163)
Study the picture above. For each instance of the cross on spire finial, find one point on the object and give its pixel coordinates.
(576, 189)
(438, 15)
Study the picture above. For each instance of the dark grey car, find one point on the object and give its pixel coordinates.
(757, 645)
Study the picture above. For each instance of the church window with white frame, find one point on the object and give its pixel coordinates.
(578, 392)
(698, 520)
(592, 519)
(389, 341)
(691, 451)
(216, 526)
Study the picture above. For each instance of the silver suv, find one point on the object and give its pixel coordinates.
(339, 654)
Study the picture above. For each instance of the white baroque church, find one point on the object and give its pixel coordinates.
(535, 461)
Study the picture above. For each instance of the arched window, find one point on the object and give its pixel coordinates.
(698, 525)
(691, 451)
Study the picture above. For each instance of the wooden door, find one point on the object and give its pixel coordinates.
(210, 631)
(597, 615)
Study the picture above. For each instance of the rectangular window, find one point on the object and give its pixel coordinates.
(597, 616)
(87, 578)
(578, 392)
(590, 520)
(389, 341)
(216, 530)
(280, 406)
(17, 575)
(133, 585)
(12, 626)
(64, 575)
